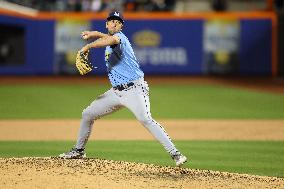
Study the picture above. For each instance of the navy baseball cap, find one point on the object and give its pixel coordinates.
(115, 16)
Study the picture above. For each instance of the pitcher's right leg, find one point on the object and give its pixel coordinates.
(103, 105)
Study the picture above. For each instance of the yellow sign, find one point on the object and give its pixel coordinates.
(147, 38)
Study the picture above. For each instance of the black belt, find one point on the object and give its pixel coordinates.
(123, 86)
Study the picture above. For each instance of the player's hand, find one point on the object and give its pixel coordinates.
(85, 49)
(86, 34)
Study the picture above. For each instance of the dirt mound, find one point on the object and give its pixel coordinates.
(96, 173)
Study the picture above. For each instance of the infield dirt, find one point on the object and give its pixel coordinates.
(46, 130)
(96, 173)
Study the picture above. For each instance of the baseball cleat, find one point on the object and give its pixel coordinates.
(179, 159)
(74, 153)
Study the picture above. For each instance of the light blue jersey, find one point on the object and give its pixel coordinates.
(121, 62)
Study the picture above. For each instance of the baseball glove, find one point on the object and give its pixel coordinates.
(83, 63)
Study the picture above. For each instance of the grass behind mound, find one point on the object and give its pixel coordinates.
(197, 101)
(252, 157)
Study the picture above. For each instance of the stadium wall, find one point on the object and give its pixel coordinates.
(165, 43)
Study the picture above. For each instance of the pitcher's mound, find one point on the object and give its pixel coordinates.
(34, 172)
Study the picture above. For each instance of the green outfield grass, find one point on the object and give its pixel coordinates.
(252, 157)
(167, 101)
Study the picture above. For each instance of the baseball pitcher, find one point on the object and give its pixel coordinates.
(129, 89)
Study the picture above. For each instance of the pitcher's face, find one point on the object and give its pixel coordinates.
(113, 26)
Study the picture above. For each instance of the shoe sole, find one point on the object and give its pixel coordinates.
(78, 157)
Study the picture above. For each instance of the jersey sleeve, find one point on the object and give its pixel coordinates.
(121, 37)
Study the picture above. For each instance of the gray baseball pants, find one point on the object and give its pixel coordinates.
(136, 99)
